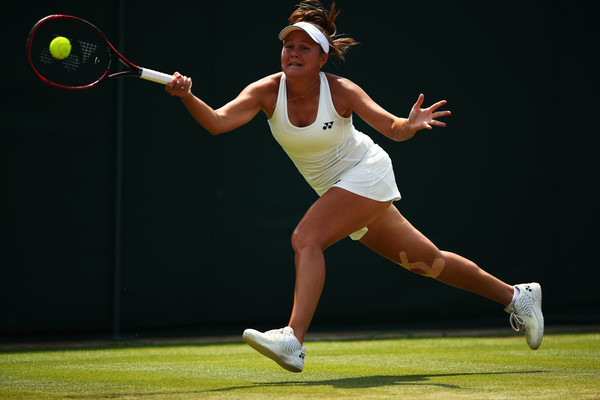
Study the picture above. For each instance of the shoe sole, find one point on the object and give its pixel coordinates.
(270, 350)
(538, 316)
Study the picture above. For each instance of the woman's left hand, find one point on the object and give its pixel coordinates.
(426, 118)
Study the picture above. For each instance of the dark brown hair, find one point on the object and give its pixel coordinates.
(313, 11)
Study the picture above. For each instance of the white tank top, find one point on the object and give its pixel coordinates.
(323, 150)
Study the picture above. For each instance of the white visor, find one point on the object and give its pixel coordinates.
(312, 31)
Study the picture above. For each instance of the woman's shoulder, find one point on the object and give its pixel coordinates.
(269, 82)
(344, 93)
(340, 84)
(266, 89)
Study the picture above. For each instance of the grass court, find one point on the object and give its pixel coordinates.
(567, 366)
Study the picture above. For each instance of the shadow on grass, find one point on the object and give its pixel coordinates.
(366, 382)
(359, 382)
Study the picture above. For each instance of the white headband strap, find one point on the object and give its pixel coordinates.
(312, 31)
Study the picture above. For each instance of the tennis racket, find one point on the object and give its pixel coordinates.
(92, 58)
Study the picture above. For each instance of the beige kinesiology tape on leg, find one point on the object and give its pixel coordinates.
(422, 268)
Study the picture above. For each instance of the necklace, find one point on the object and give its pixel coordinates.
(310, 90)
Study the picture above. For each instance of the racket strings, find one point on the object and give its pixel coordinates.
(88, 61)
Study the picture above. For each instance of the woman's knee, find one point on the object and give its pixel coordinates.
(303, 239)
(300, 239)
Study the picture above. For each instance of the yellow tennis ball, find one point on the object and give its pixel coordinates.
(60, 47)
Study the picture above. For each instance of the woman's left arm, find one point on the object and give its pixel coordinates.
(396, 128)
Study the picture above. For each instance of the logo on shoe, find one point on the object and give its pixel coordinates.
(301, 355)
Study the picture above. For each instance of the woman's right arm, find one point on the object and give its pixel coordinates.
(232, 115)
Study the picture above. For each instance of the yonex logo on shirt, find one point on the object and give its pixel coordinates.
(327, 125)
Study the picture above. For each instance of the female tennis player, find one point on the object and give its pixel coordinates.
(310, 115)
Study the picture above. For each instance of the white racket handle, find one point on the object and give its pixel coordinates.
(155, 76)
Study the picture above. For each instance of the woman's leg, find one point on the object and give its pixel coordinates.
(331, 218)
(393, 237)
(335, 215)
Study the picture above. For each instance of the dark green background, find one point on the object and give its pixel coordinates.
(199, 226)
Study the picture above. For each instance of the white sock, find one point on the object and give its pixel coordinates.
(517, 291)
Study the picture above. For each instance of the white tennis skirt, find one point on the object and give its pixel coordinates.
(373, 178)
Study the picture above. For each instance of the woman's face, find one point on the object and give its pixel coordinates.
(301, 55)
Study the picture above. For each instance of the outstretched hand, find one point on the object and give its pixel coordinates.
(426, 118)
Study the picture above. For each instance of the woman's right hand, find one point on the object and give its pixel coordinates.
(180, 86)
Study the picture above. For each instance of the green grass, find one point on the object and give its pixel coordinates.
(567, 366)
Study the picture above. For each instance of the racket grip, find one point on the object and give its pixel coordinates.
(155, 76)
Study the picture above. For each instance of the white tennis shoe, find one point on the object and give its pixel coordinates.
(526, 313)
(280, 345)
